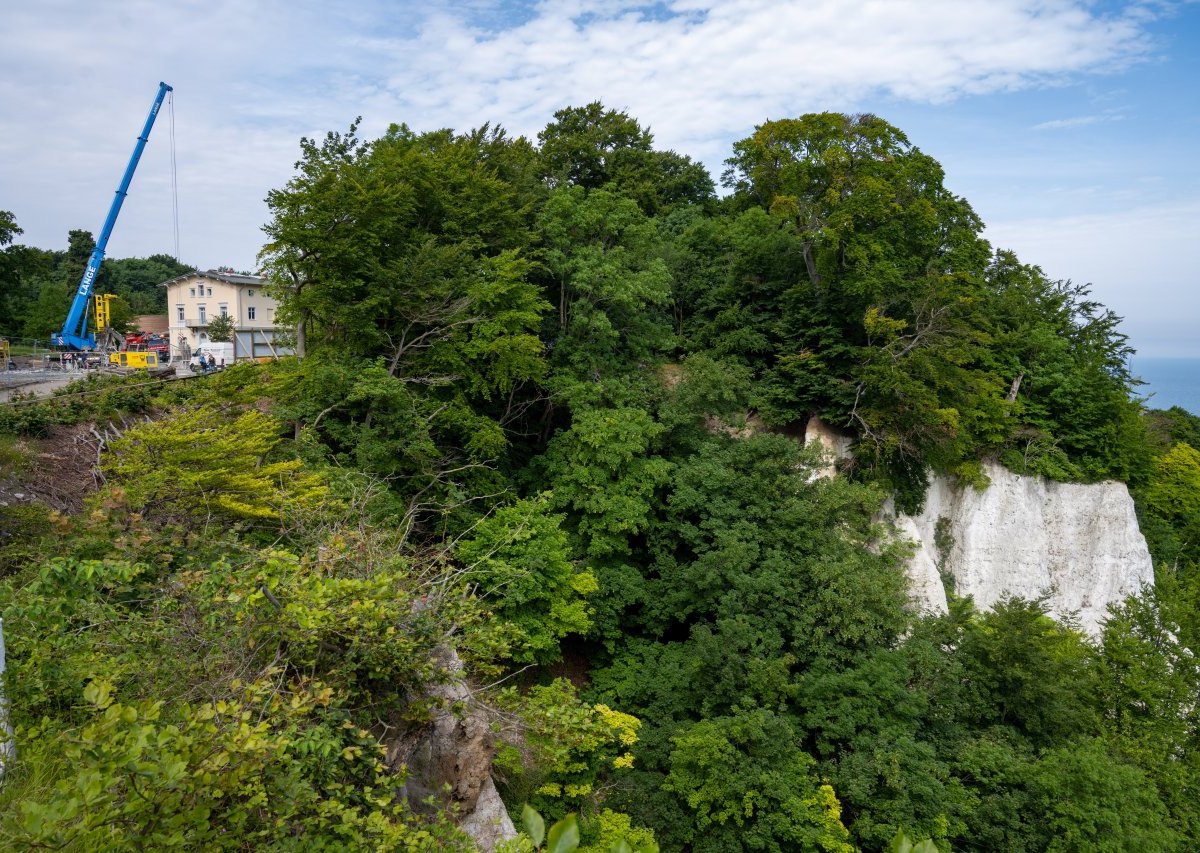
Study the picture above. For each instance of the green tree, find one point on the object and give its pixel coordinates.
(1066, 365)
(604, 472)
(751, 787)
(1148, 690)
(202, 463)
(611, 287)
(137, 280)
(519, 557)
(9, 272)
(1030, 673)
(403, 263)
(1090, 800)
(396, 277)
(220, 329)
(1171, 505)
(891, 264)
(8, 227)
(593, 147)
(46, 315)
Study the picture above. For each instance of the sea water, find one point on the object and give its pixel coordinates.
(1169, 382)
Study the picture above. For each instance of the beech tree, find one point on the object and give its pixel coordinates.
(410, 251)
(593, 147)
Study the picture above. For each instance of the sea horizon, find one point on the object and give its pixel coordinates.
(1168, 382)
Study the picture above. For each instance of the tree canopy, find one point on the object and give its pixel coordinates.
(548, 410)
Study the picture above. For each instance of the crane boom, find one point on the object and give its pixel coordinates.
(74, 332)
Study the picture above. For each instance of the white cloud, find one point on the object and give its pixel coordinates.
(1078, 121)
(251, 76)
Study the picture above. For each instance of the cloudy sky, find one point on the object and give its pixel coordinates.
(1072, 126)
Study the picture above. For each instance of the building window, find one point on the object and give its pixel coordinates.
(210, 291)
(249, 292)
(224, 309)
(250, 313)
(191, 291)
(203, 316)
(179, 308)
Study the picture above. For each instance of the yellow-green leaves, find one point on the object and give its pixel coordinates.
(203, 462)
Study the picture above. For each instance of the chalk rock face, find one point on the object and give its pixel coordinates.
(835, 443)
(450, 760)
(1079, 545)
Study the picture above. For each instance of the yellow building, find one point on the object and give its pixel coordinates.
(194, 299)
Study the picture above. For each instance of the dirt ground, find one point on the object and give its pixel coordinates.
(59, 470)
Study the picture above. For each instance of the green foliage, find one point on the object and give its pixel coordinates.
(612, 289)
(45, 316)
(565, 751)
(548, 411)
(751, 786)
(404, 264)
(1170, 506)
(704, 393)
(23, 529)
(220, 329)
(591, 147)
(603, 471)
(204, 462)
(137, 280)
(1090, 800)
(901, 843)
(874, 730)
(1149, 684)
(1167, 427)
(36, 286)
(8, 227)
(92, 398)
(897, 320)
(284, 758)
(429, 210)
(751, 538)
(519, 558)
(615, 833)
(227, 775)
(1028, 672)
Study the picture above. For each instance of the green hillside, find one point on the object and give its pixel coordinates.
(546, 414)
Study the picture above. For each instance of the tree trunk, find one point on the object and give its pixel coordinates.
(1016, 386)
(302, 335)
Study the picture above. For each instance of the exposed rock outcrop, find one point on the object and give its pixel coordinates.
(834, 443)
(450, 760)
(1078, 545)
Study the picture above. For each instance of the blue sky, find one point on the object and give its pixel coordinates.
(1071, 126)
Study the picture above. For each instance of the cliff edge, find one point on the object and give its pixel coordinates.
(1078, 545)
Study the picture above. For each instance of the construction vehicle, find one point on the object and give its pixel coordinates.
(148, 342)
(141, 351)
(74, 334)
(137, 360)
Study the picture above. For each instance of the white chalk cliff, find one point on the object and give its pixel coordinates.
(1077, 544)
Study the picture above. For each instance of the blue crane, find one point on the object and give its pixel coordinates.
(74, 334)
